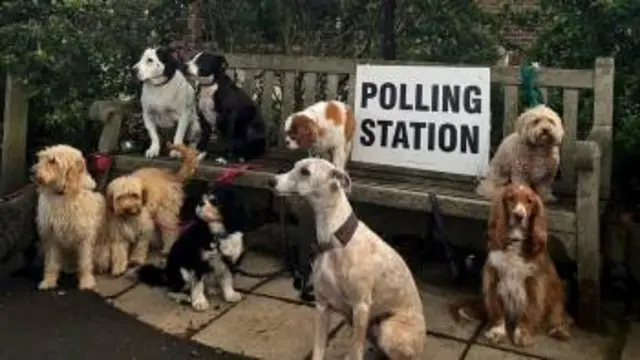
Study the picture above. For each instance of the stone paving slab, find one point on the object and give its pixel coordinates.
(581, 342)
(264, 328)
(479, 352)
(153, 306)
(107, 286)
(281, 287)
(436, 302)
(435, 348)
(632, 345)
(256, 263)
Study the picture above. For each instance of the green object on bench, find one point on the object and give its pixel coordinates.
(531, 92)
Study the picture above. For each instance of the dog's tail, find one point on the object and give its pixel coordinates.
(469, 309)
(189, 161)
(152, 275)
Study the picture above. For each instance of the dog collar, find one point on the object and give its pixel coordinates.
(347, 229)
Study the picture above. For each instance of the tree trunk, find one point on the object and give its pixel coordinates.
(387, 29)
(194, 24)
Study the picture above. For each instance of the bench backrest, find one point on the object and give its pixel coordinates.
(310, 79)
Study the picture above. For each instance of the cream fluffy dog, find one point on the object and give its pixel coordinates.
(129, 227)
(530, 155)
(146, 200)
(69, 214)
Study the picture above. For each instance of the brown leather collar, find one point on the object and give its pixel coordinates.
(347, 229)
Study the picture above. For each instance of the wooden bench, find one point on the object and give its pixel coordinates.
(583, 186)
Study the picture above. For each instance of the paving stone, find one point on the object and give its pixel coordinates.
(153, 306)
(281, 287)
(631, 349)
(581, 342)
(256, 263)
(109, 286)
(479, 352)
(264, 328)
(436, 303)
(435, 348)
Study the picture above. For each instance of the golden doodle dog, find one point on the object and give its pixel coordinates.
(530, 155)
(137, 205)
(520, 284)
(70, 214)
(358, 275)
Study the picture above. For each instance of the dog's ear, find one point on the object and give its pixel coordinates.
(108, 199)
(343, 179)
(74, 176)
(167, 57)
(498, 222)
(145, 196)
(537, 228)
(224, 65)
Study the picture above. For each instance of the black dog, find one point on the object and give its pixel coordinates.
(211, 245)
(223, 105)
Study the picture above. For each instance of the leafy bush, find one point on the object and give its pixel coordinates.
(72, 52)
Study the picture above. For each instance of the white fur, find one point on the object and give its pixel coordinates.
(333, 139)
(165, 105)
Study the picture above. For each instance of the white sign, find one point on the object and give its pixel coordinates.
(424, 117)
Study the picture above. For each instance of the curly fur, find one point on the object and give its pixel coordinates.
(70, 213)
(138, 204)
(129, 227)
(520, 283)
(530, 155)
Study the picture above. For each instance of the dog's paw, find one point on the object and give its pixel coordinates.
(560, 333)
(232, 296)
(152, 151)
(496, 334)
(221, 161)
(118, 271)
(175, 154)
(522, 337)
(87, 282)
(202, 156)
(200, 303)
(47, 284)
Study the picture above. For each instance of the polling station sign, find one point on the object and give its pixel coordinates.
(423, 117)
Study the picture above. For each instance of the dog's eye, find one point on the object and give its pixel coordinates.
(51, 161)
(305, 172)
(536, 121)
(149, 60)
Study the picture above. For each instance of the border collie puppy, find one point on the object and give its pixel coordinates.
(208, 249)
(167, 99)
(227, 108)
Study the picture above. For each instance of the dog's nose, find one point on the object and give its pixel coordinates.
(517, 216)
(272, 182)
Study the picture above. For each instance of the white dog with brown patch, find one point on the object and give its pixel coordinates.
(358, 275)
(326, 127)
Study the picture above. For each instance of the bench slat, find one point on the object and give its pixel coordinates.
(309, 91)
(288, 97)
(267, 92)
(364, 189)
(511, 105)
(331, 88)
(249, 81)
(567, 152)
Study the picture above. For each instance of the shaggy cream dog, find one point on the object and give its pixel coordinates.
(138, 204)
(129, 227)
(530, 155)
(70, 214)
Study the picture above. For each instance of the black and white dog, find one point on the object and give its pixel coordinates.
(227, 108)
(205, 253)
(167, 99)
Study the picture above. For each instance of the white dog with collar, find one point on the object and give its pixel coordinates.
(167, 98)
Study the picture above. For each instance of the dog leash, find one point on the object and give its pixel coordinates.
(437, 230)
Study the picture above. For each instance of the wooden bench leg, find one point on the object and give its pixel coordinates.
(588, 245)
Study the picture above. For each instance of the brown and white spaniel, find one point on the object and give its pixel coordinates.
(326, 127)
(520, 284)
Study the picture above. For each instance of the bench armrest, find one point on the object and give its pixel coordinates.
(587, 156)
(110, 113)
